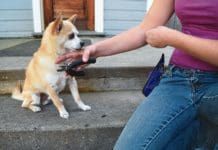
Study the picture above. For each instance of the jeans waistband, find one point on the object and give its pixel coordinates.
(174, 68)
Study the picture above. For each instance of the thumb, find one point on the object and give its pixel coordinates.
(86, 55)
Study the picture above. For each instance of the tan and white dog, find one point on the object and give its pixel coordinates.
(41, 74)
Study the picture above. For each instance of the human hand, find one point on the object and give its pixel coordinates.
(84, 54)
(159, 37)
(89, 51)
(75, 55)
(69, 56)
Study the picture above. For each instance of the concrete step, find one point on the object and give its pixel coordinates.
(127, 71)
(96, 78)
(97, 129)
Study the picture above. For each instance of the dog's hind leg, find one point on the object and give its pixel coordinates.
(45, 99)
(31, 101)
(75, 93)
(35, 104)
(27, 96)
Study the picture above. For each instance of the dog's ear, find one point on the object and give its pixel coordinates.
(73, 18)
(58, 24)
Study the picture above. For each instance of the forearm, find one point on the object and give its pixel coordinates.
(123, 42)
(204, 49)
(134, 38)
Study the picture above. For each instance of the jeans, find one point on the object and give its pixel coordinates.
(168, 118)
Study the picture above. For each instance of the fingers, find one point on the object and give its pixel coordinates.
(71, 55)
(84, 54)
(60, 59)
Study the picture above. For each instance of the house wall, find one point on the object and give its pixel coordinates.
(16, 18)
(120, 15)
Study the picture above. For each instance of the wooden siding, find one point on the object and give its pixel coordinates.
(16, 18)
(120, 15)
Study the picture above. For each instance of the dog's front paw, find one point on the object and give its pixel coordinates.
(64, 114)
(85, 107)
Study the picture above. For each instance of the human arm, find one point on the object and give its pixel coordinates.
(159, 14)
(203, 49)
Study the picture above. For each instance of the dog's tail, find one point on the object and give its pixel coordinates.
(17, 92)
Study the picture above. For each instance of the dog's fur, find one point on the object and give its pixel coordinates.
(41, 75)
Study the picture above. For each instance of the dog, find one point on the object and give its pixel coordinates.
(41, 75)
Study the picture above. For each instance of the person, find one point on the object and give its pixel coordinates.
(168, 118)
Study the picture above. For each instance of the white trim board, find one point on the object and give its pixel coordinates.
(99, 15)
(38, 16)
(149, 3)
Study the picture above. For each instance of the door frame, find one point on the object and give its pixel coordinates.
(39, 20)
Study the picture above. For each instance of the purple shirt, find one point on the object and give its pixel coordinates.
(198, 18)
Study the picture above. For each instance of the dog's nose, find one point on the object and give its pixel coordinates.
(82, 43)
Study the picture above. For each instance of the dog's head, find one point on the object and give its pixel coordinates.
(65, 34)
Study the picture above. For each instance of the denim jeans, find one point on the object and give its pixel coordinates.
(167, 119)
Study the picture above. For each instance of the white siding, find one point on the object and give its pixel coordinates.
(120, 15)
(16, 18)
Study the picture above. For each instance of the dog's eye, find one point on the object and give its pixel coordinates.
(71, 36)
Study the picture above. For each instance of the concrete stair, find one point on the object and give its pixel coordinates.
(126, 71)
(112, 87)
(96, 129)
(96, 78)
